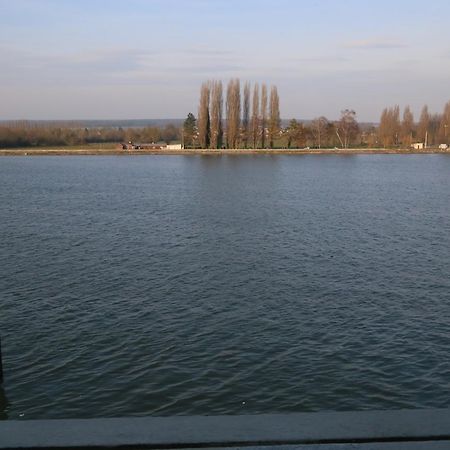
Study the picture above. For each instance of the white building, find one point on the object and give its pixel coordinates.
(174, 147)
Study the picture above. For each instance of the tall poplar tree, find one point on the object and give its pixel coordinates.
(255, 116)
(263, 115)
(203, 120)
(407, 127)
(274, 115)
(422, 127)
(444, 132)
(246, 115)
(233, 113)
(216, 114)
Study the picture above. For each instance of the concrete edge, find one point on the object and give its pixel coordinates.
(32, 151)
(226, 431)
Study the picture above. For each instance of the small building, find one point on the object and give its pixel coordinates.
(174, 147)
(140, 146)
(443, 146)
(418, 146)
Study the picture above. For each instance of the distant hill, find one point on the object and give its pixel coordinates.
(99, 123)
(133, 123)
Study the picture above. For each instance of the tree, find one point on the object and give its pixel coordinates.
(389, 128)
(433, 128)
(347, 128)
(170, 133)
(255, 116)
(246, 115)
(203, 123)
(233, 113)
(319, 128)
(422, 127)
(274, 115)
(216, 114)
(148, 134)
(290, 132)
(263, 115)
(295, 134)
(189, 131)
(444, 132)
(407, 127)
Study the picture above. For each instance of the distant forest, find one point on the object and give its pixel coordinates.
(46, 133)
(247, 117)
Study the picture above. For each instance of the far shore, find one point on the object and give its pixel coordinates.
(62, 151)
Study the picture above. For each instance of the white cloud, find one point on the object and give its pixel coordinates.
(374, 44)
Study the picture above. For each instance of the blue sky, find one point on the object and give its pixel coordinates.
(70, 59)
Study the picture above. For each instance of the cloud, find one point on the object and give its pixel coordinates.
(374, 44)
(80, 68)
(208, 52)
(321, 59)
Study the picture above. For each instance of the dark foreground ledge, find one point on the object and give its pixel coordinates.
(411, 429)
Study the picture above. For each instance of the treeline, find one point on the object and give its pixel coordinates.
(240, 118)
(254, 122)
(431, 129)
(244, 116)
(31, 134)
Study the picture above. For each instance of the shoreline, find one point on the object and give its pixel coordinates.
(61, 151)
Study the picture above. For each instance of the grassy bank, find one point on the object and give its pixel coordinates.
(113, 150)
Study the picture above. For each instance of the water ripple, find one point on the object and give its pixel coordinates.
(203, 286)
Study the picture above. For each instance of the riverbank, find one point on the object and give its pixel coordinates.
(61, 151)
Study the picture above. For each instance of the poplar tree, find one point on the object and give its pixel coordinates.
(233, 112)
(203, 120)
(216, 114)
(274, 115)
(445, 123)
(255, 116)
(407, 126)
(422, 127)
(263, 115)
(389, 128)
(246, 115)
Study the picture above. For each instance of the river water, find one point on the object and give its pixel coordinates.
(166, 285)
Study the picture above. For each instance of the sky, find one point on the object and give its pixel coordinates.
(117, 59)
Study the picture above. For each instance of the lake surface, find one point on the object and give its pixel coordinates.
(163, 285)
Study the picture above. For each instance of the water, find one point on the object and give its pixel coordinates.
(157, 285)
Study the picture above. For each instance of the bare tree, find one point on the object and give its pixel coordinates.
(263, 115)
(433, 128)
(445, 123)
(246, 115)
(422, 127)
(389, 128)
(319, 128)
(203, 119)
(233, 113)
(347, 128)
(274, 115)
(216, 114)
(255, 116)
(407, 127)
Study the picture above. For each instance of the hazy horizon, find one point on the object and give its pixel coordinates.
(111, 60)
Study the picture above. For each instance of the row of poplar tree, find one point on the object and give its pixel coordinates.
(251, 120)
(431, 129)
